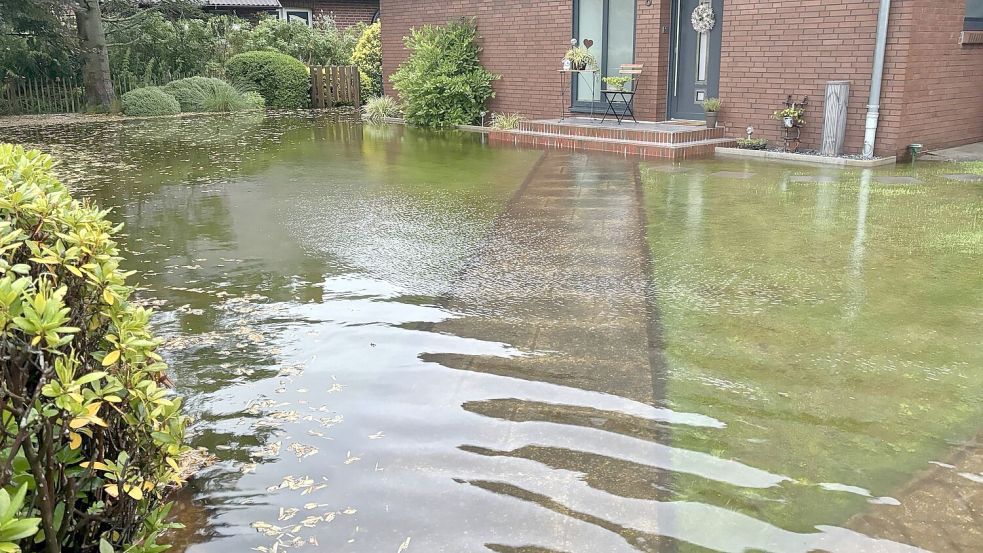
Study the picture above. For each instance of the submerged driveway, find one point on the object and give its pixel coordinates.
(405, 341)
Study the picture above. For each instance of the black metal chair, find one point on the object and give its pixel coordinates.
(615, 98)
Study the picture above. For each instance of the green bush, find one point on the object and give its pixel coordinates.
(150, 100)
(379, 108)
(90, 438)
(283, 81)
(253, 100)
(443, 83)
(154, 49)
(368, 57)
(191, 91)
(197, 94)
(322, 43)
(506, 121)
(752, 143)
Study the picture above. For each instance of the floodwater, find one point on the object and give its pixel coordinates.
(397, 341)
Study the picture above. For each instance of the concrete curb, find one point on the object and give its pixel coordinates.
(805, 158)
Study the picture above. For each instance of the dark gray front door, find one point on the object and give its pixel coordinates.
(694, 73)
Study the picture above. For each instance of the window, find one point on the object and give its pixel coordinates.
(296, 14)
(974, 15)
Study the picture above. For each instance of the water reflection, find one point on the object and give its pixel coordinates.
(411, 341)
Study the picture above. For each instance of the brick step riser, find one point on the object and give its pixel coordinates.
(577, 143)
(662, 137)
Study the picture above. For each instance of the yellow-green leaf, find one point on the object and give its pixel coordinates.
(133, 491)
(110, 358)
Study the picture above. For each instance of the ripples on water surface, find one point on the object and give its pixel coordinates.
(397, 341)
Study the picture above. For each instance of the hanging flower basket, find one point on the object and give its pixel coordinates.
(703, 18)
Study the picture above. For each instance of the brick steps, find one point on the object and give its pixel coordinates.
(690, 149)
(674, 136)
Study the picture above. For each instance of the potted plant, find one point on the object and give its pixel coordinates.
(580, 58)
(711, 106)
(790, 116)
(617, 83)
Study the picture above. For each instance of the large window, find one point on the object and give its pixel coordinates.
(974, 15)
(296, 14)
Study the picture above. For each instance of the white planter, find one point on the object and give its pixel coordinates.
(789, 122)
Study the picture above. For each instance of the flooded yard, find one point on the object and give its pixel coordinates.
(398, 341)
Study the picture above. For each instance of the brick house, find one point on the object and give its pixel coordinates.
(757, 53)
(345, 13)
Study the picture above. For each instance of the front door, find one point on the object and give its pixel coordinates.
(694, 73)
(609, 26)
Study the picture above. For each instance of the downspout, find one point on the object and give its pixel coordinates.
(876, 77)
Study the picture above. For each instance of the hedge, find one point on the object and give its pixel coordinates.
(283, 81)
(150, 100)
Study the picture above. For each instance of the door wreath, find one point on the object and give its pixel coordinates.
(703, 18)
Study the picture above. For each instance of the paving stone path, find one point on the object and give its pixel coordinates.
(941, 508)
(564, 274)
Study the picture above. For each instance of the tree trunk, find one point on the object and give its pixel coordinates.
(99, 93)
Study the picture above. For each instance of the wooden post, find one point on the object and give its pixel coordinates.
(834, 122)
(358, 87)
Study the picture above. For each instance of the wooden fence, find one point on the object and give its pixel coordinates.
(334, 85)
(20, 96)
(331, 86)
(23, 96)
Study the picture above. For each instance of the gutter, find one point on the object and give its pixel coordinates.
(876, 79)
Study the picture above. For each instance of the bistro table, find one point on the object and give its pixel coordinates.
(566, 85)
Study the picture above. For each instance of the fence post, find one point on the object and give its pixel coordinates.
(358, 87)
(315, 86)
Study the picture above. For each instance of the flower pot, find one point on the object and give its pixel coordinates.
(789, 122)
(711, 119)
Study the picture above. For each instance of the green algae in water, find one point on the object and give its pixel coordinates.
(833, 327)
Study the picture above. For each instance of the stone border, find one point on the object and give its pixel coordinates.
(805, 158)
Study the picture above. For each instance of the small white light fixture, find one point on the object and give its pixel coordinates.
(750, 131)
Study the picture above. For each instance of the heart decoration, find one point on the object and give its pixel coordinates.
(588, 43)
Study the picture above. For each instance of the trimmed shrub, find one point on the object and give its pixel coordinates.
(443, 83)
(379, 108)
(368, 57)
(150, 100)
(90, 437)
(197, 94)
(283, 81)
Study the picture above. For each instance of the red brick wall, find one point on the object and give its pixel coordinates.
(772, 48)
(943, 100)
(522, 40)
(652, 50)
(345, 13)
(932, 90)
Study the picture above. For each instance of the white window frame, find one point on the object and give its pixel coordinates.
(282, 14)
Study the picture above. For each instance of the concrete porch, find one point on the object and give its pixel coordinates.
(647, 139)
